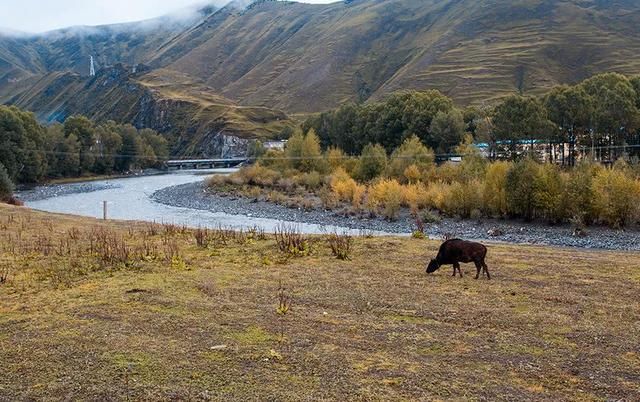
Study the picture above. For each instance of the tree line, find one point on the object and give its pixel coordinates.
(31, 152)
(599, 116)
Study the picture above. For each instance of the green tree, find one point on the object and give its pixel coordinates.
(83, 129)
(6, 185)
(21, 145)
(372, 163)
(132, 149)
(108, 145)
(570, 109)
(447, 130)
(615, 112)
(411, 152)
(519, 118)
(159, 146)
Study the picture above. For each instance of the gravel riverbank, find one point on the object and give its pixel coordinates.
(194, 196)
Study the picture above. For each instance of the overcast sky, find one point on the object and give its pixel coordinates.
(45, 15)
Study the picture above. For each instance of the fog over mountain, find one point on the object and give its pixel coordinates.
(36, 16)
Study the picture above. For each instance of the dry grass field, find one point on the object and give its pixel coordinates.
(132, 311)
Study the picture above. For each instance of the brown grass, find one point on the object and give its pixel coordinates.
(235, 321)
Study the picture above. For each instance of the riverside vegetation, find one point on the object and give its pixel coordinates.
(374, 184)
(120, 310)
(394, 163)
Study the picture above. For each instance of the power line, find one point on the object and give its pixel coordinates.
(284, 158)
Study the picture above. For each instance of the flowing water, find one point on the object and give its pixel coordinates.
(130, 199)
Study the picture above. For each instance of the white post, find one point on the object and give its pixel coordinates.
(104, 210)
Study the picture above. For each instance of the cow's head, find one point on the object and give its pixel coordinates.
(433, 266)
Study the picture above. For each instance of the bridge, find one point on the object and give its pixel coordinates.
(204, 163)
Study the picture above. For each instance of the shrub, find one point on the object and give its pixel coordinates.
(357, 198)
(290, 240)
(473, 165)
(335, 158)
(311, 180)
(412, 174)
(429, 216)
(411, 152)
(216, 180)
(521, 188)
(464, 199)
(388, 194)
(328, 198)
(449, 172)
(303, 152)
(436, 195)
(258, 175)
(6, 185)
(495, 189)
(343, 185)
(579, 192)
(286, 184)
(274, 159)
(372, 163)
(340, 245)
(550, 200)
(616, 197)
(412, 196)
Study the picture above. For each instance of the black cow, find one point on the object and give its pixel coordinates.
(455, 251)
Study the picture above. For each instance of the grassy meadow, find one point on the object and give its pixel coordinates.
(93, 310)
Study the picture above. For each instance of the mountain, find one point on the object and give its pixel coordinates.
(302, 58)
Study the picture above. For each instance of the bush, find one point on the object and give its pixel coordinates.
(311, 181)
(464, 199)
(449, 172)
(342, 185)
(303, 152)
(550, 200)
(340, 245)
(6, 185)
(412, 174)
(437, 194)
(335, 158)
(389, 195)
(616, 197)
(274, 159)
(495, 189)
(372, 163)
(411, 152)
(413, 196)
(258, 175)
(579, 192)
(521, 188)
(474, 165)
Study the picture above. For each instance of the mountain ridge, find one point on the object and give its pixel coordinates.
(302, 58)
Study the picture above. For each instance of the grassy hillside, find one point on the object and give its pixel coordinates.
(113, 311)
(302, 57)
(187, 111)
(305, 58)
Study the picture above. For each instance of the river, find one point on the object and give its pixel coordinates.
(130, 199)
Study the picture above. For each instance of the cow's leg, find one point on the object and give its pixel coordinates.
(457, 266)
(478, 268)
(486, 269)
